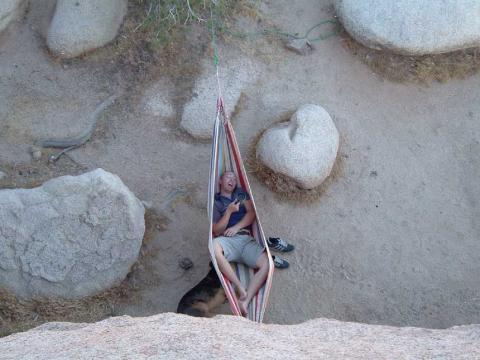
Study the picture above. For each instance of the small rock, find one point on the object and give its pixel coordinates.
(140, 268)
(36, 152)
(161, 226)
(185, 263)
(300, 46)
(304, 149)
(84, 26)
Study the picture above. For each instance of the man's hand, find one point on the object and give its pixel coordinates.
(233, 207)
(231, 231)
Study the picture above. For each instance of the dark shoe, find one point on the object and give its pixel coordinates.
(279, 262)
(279, 244)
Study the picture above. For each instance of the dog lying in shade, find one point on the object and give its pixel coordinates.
(203, 297)
(208, 293)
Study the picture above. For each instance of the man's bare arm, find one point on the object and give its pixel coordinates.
(246, 220)
(220, 226)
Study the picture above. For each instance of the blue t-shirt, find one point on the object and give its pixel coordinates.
(221, 205)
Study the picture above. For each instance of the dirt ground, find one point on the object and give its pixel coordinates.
(393, 238)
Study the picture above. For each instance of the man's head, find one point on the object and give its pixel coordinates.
(228, 181)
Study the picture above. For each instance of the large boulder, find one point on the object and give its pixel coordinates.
(173, 336)
(83, 25)
(199, 113)
(412, 27)
(303, 149)
(69, 238)
(9, 9)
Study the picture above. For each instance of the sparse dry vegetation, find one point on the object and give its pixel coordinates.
(160, 20)
(20, 315)
(35, 173)
(416, 69)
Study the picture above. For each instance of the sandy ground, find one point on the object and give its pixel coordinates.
(393, 240)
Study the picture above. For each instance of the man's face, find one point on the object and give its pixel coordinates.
(228, 181)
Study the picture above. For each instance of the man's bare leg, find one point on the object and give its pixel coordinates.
(227, 270)
(256, 283)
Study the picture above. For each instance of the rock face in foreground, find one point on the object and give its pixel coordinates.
(171, 336)
(80, 26)
(412, 27)
(303, 149)
(8, 11)
(69, 238)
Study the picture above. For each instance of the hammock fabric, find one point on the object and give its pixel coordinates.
(226, 157)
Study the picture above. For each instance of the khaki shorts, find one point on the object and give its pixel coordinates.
(241, 249)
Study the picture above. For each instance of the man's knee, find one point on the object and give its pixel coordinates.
(262, 260)
(218, 248)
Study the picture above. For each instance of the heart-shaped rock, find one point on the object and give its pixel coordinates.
(303, 149)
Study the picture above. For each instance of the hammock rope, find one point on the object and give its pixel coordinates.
(226, 156)
(276, 32)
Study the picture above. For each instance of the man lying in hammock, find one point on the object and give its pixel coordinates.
(232, 218)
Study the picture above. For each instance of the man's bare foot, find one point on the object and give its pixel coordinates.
(243, 307)
(241, 293)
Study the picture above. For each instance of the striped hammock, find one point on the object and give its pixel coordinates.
(226, 157)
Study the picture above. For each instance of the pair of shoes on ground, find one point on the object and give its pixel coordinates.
(280, 245)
